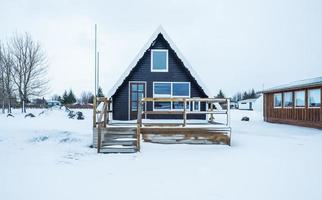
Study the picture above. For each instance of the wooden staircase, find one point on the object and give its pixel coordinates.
(112, 139)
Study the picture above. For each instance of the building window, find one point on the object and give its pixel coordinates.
(162, 105)
(314, 98)
(162, 89)
(288, 99)
(278, 100)
(171, 89)
(196, 106)
(180, 89)
(159, 60)
(299, 98)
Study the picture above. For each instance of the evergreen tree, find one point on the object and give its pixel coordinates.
(65, 98)
(252, 94)
(245, 95)
(100, 92)
(220, 94)
(71, 97)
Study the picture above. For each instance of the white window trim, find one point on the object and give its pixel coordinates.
(129, 103)
(308, 99)
(193, 105)
(284, 100)
(167, 62)
(299, 107)
(169, 96)
(281, 100)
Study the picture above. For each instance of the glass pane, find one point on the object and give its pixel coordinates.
(179, 105)
(134, 96)
(159, 60)
(134, 87)
(162, 88)
(140, 87)
(162, 105)
(180, 89)
(196, 105)
(134, 106)
(300, 98)
(140, 95)
(288, 99)
(278, 100)
(314, 98)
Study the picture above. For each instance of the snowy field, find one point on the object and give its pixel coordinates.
(48, 157)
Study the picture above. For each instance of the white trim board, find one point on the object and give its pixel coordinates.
(141, 53)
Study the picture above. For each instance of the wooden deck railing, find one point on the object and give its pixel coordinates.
(184, 112)
(101, 116)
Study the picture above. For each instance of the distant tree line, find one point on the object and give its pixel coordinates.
(251, 94)
(69, 97)
(23, 71)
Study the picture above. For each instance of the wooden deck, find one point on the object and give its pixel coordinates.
(124, 137)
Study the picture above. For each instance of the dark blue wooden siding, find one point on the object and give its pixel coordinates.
(142, 72)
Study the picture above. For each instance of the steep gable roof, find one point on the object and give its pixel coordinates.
(159, 30)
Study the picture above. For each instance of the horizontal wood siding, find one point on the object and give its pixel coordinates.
(309, 117)
(142, 72)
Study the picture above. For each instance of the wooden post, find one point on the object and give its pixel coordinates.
(228, 112)
(184, 112)
(94, 112)
(212, 109)
(105, 112)
(99, 139)
(139, 124)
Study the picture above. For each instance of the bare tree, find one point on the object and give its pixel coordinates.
(7, 74)
(85, 97)
(2, 90)
(30, 68)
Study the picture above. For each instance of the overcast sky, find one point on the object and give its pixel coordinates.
(233, 45)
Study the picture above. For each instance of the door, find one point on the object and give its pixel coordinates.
(137, 91)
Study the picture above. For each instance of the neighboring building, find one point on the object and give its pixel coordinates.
(297, 103)
(233, 105)
(247, 104)
(52, 103)
(159, 70)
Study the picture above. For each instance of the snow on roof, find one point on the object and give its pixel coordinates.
(247, 100)
(141, 53)
(297, 84)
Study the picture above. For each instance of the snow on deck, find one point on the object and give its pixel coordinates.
(48, 157)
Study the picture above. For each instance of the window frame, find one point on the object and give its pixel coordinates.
(280, 93)
(292, 98)
(193, 105)
(170, 96)
(308, 98)
(296, 106)
(167, 60)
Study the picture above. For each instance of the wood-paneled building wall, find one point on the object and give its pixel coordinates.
(305, 115)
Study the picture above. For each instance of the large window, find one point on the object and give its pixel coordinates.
(299, 98)
(288, 99)
(159, 60)
(162, 89)
(180, 89)
(314, 98)
(278, 100)
(171, 89)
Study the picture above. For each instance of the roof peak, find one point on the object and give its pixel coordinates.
(159, 30)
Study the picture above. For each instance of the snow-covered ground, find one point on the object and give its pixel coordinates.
(48, 157)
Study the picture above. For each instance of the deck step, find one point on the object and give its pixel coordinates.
(118, 149)
(119, 136)
(119, 142)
